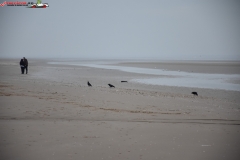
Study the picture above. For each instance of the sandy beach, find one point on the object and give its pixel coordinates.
(51, 113)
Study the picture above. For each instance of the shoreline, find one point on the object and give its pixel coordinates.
(163, 77)
(214, 67)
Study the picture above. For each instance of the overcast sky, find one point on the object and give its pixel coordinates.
(161, 29)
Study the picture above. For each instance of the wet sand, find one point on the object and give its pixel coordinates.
(50, 113)
(215, 67)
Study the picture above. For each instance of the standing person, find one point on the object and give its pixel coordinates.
(26, 64)
(22, 66)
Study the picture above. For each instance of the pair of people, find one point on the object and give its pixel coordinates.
(24, 65)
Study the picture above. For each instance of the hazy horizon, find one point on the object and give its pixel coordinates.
(133, 29)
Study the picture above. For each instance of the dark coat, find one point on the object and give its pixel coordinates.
(22, 64)
(25, 62)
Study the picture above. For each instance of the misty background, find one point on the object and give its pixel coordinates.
(154, 29)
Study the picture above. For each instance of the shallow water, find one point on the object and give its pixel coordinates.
(172, 78)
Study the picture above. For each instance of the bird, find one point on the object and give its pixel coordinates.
(195, 93)
(110, 85)
(89, 84)
(124, 81)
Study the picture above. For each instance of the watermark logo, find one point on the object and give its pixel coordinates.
(39, 4)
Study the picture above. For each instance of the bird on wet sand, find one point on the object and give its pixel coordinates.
(195, 93)
(110, 85)
(89, 84)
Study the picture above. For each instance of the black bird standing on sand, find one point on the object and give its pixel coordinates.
(195, 93)
(110, 85)
(89, 84)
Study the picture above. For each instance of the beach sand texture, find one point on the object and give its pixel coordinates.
(51, 113)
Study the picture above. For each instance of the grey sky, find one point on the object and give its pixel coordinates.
(162, 29)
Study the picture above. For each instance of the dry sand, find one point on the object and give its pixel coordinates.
(50, 113)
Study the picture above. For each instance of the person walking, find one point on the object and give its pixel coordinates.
(22, 66)
(25, 64)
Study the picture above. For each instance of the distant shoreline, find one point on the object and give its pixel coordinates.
(213, 67)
